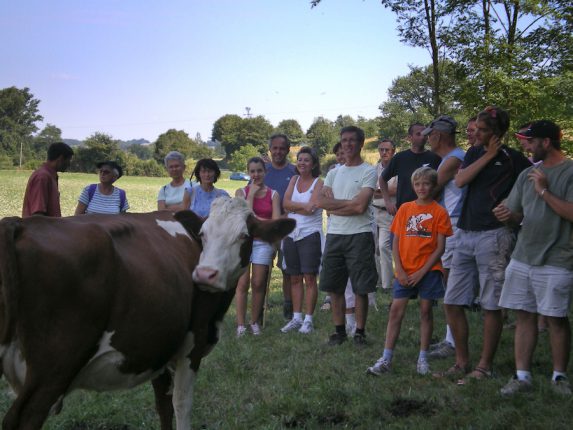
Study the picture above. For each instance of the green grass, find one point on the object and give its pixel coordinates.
(279, 381)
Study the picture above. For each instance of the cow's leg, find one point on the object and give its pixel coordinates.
(183, 393)
(32, 406)
(163, 399)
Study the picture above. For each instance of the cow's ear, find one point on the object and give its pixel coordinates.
(270, 231)
(190, 221)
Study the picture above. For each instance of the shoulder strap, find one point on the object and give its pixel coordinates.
(192, 197)
(91, 191)
(122, 199)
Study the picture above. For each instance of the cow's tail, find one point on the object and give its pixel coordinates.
(10, 228)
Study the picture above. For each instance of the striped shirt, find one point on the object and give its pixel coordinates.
(102, 204)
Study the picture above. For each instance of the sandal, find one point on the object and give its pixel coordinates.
(455, 371)
(477, 374)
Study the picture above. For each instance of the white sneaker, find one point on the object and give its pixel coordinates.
(381, 366)
(241, 330)
(293, 324)
(306, 327)
(423, 367)
(255, 329)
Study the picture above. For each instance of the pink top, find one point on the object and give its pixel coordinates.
(263, 206)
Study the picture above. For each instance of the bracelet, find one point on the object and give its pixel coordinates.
(542, 192)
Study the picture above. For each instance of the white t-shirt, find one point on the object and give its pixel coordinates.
(347, 182)
(173, 195)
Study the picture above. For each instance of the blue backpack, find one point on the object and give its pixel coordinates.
(92, 190)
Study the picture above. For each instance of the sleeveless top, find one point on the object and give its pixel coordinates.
(305, 224)
(262, 207)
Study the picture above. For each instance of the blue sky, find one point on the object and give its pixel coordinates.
(135, 68)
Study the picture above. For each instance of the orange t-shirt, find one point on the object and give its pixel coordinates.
(417, 228)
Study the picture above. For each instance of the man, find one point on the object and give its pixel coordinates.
(403, 165)
(279, 172)
(42, 196)
(471, 131)
(484, 244)
(442, 140)
(349, 249)
(386, 150)
(540, 274)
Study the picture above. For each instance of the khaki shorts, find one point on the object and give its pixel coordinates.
(537, 289)
(479, 256)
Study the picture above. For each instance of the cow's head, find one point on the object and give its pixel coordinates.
(227, 237)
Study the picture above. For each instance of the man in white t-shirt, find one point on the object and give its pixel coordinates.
(349, 249)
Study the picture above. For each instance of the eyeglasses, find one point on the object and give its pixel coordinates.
(384, 150)
(104, 172)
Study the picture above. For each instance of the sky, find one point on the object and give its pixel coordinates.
(134, 69)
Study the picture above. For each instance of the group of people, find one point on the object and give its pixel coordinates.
(488, 224)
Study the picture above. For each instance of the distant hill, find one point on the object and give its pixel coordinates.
(123, 144)
(73, 142)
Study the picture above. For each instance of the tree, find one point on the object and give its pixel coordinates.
(343, 121)
(256, 132)
(370, 126)
(173, 140)
(18, 118)
(321, 135)
(48, 135)
(292, 129)
(143, 152)
(238, 161)
(98, 147)
(227, 130)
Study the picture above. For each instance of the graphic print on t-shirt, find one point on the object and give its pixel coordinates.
(416, 225)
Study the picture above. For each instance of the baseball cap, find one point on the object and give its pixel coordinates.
(543, 128)
(443, 123)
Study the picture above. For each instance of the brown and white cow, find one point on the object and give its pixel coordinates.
(107, 302)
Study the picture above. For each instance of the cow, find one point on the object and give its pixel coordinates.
(105, 302)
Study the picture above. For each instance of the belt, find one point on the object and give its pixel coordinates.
(382, 208)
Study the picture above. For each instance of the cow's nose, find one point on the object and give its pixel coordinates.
(205, 275)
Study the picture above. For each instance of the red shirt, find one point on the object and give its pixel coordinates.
(42, 194)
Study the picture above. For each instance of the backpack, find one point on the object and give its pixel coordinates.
(122, 197)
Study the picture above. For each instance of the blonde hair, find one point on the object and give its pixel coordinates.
(425, 172)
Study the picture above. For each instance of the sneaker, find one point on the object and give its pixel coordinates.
(292, 325)
(256, 329)
(287, 310)
(306, 327)
(325, 306)
(437, 345)
(515, 386)
(446, 350)
(561, 385)
(351, 329)
(337, 339)
(422, 367)
(380, 367)
(241, 330)
(360, 339)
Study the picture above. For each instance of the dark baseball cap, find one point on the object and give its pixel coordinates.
(444, 123)
(543, 128)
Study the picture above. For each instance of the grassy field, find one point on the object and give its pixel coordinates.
(282, 381)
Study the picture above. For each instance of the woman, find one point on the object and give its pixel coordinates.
(265, 203)
(104, 198)
(302, 248)
(199, 198)
(170, 196)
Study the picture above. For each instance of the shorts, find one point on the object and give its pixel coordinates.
(480, 256)
(451, 243)
(537, 289)
(430, 287)
(262, 253)
(349, 256)
(302, 256)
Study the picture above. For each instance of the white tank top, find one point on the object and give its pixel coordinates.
(305, 224)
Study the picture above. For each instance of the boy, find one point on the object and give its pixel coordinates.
(420, 229)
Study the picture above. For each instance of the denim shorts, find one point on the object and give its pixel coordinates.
(430, 287)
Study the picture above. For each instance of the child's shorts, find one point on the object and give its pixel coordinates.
(430, 287)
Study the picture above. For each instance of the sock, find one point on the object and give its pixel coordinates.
(308, 318)
(297, 316)
(350, 319)
(523, 375)
(423, 355)
(450, 336)
(340, 329)
(388, 354)
(557, 374)
(360, 331)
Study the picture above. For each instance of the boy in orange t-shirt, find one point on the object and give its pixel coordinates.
(420, 229)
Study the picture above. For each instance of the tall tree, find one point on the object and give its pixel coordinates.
(292, 129)
(48, 135)
(343, 121)
(321, 135)
(173, 140)
(98, 147)
(256, 131)
(18, 118)
(227, 130)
